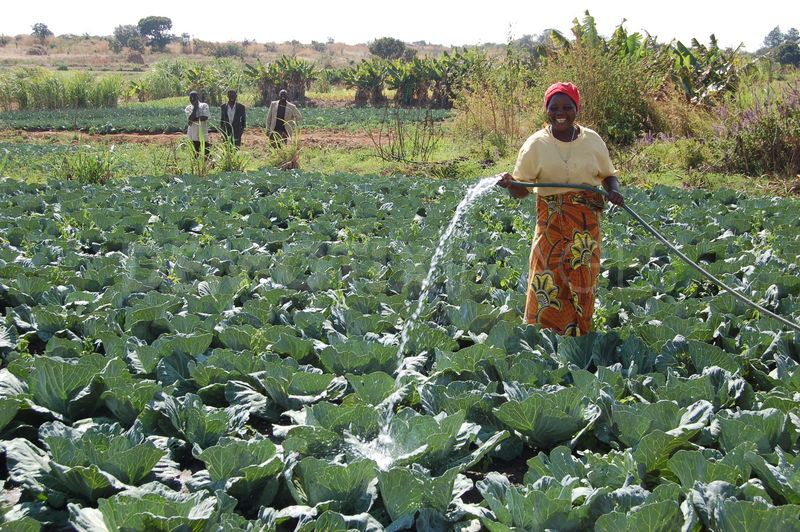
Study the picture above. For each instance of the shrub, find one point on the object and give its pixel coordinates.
(407, 138)
(765, 139)
(90, 167)
(136, 58)
(230, 49)
(493, 106)
(673, 115)
(661, 153)
(37, 49)
(127, 36)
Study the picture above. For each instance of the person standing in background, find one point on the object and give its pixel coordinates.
(282, 119)
(197, 114)
(233, 119)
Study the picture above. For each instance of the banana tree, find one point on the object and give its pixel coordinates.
(367, 78)
(410, 80)
(296, 76)
(586, 33)
(266, 79)
(449, 72)
(627, 46)
(704, 73)
(139, 89)
(207, 82)
(333, 76)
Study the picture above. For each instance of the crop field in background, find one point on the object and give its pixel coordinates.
(221, 353)
(157, 119)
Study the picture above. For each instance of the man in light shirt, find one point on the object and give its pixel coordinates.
(197, 114)
(232, 119)
(282, 118)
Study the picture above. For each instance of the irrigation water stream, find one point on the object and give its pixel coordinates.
(384, 449)
(475, 192)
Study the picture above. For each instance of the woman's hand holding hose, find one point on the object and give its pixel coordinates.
(611, 184)
(506, 181)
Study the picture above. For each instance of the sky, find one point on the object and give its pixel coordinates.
(453, 23)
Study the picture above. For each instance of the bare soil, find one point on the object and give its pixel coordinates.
(251, 139)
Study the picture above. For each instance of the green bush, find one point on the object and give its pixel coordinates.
(680, 155)
(765, 138)
(230, 49)
(95, 167)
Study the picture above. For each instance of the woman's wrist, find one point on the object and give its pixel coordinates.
(611, 183)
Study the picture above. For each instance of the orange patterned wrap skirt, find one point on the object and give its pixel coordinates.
(565, 262)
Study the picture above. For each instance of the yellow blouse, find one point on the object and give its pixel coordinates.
(545, 159)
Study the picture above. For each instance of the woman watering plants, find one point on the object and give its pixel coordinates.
(565, 255)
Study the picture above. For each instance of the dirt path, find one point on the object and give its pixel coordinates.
(251, 139)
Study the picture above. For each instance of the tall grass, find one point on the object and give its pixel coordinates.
(88, 166)
(5, 157)
(37, 88)
(284, 156)
(227, 157)
(406, 137)
(765, 137)
(493, 107)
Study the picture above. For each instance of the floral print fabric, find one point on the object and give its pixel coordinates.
(565, 262)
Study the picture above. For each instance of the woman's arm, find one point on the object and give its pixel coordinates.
(611, 184)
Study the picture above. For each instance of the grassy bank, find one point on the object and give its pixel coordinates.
(43, 159)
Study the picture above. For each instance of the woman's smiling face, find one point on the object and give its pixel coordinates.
(561, 112)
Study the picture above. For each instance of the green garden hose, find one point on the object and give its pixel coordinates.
(674, 249)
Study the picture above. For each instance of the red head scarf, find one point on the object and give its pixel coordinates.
(563, 88)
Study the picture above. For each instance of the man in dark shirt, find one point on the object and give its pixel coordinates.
(280, 123)
(232, 119)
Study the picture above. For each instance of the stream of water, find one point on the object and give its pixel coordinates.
(475, 192)
(383, 449)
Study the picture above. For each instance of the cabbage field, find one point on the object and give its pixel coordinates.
(221, 354)
(158, 119)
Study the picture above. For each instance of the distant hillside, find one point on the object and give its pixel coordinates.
(76, 52)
